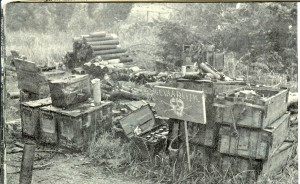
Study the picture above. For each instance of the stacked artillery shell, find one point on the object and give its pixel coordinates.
(96, 47)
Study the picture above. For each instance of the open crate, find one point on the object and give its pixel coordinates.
(147, 137)
(251, 106)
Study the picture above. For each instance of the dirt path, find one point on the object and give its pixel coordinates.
(65, 169)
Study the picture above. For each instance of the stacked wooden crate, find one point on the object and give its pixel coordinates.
(33, 80)
(203, 137)
(73, 120)
(70, 118)
(244, 133)
(254, 125)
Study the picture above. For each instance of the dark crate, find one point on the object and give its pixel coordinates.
(30, 116)
(253, 112)
(253, 143)
(69, 91)
(78, 126)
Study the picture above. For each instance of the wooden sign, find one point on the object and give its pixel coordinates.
(188, 105)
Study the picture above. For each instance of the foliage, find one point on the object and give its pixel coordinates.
(266, 31)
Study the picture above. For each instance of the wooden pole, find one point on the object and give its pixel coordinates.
(27, 163)
(187, 145)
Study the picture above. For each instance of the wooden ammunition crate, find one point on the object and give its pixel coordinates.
(207, 134)
(210, 89)
(37, 82)
(241, 169)
(48, 126)
(71, 90)
(253, 143)
(150, 141)
(78, 126)
(258, 111)
(278, 160)
(30, 116)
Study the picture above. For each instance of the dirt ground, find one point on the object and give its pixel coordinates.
(64, 169)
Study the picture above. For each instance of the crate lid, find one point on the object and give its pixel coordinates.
(134, 105)
(142, 118)
(78, 109)
(70, 79)
(38, 103)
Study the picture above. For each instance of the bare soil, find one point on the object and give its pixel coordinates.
(64, 169)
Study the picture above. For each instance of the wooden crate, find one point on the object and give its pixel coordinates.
(207, 134)
(257, 111)
(150, 141)
(241, 169)
(48, 126)
(278, 160)
(253, 143)
(71, 90)
(78, 126)
(37, 82)
(210, 89)
(30, 116)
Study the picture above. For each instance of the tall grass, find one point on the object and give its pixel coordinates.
(41, 48)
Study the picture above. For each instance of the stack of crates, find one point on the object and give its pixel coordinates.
(254, 125)
(33, 80)
(244, 132)
(70, 118)
(203, 137)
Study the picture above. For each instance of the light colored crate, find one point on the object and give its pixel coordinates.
(253, 143)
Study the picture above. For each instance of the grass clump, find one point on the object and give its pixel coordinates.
(108, 151)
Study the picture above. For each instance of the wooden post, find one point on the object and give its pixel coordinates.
(27, 163)
(187, 145)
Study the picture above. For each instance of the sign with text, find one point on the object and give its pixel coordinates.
(188, 105)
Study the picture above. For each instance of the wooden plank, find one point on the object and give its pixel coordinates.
(181, 104)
